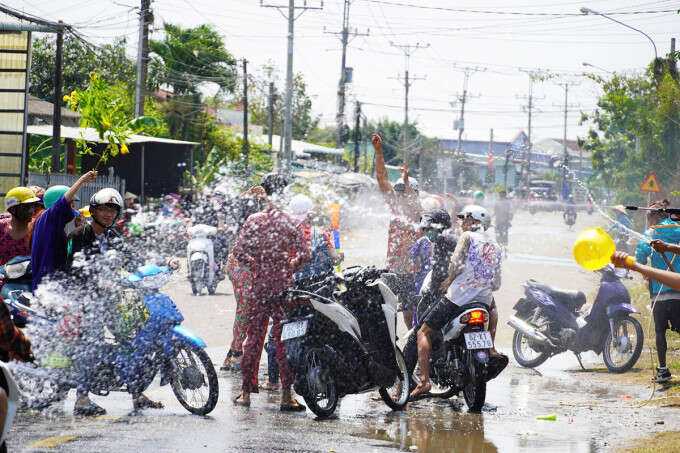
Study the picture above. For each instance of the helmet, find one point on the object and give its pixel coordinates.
(478, 213)
(106, 196)
(38, 191)
(437, 219)
(300, 205)
(52, 194)
(20, 195)
(273, 183)
(399, 185)
(479, 195)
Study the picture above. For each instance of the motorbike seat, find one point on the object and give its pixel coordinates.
(571, 299)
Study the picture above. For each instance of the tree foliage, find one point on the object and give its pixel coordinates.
(635, 130)
(79, 60)
(304, 121)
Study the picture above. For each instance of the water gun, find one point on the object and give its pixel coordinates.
(334, 210)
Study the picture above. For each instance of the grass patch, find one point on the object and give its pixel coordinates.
(665, 442)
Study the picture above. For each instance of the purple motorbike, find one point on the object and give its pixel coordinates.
(548, 322)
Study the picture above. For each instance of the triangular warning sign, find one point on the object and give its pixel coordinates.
(651, 184)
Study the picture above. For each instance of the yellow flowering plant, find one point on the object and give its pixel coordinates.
(103, 110)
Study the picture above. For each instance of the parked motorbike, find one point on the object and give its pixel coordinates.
(459, 360)
(148, 339)
(343, 341)
(16, 275)
(547, 322)
(201, 259)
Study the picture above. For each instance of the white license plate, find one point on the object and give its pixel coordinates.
(478, 340)
(294, 330)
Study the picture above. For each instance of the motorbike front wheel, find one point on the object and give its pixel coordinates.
(396, 396)
(621, 352)
(197, 276)
(524, 353)
(321, 395)
(194, 380)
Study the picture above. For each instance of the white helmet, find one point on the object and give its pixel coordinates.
(106, 196)
(477, 213)
(300, 205)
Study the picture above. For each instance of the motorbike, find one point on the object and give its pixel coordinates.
(547, 322)
(16, 275)
(201, 259)
(148, 339)
(459, 360)
(341, 338)
(570, 216)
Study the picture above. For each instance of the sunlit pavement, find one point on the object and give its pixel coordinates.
(591, 415)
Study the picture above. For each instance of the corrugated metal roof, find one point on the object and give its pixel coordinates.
(91, 135)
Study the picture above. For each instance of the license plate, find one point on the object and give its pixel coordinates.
(294, 330)
(478, 340)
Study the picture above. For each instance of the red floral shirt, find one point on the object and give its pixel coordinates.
(9, 248)
(403, 233)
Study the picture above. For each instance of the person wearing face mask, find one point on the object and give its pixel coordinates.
(48, 245)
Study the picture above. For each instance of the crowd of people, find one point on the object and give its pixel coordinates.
(267, 245)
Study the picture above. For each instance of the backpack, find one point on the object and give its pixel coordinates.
(321, 262)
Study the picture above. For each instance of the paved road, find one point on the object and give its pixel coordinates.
(593, 418)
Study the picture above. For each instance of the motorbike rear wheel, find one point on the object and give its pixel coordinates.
(192, 374)
(475, 391)
(401, 384)
(197, 277)
(321, 394)
(521, 349)
(623, 345)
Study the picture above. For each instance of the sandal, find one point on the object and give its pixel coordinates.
(270, 386)
(89, 410)
(293, 407)
(240, 403)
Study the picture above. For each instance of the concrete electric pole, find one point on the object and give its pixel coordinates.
(345, 34)
(526, 165)
(145, 19)
(288, 119)
(408, 49)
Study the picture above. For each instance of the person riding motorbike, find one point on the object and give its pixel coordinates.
(570, 212)
(474, 273)
(93, 239)
(21, 203)
(503, 218)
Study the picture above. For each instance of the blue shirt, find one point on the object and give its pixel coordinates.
(48, 246)
(667, 231)
(420, 255)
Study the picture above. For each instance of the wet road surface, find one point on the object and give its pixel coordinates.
(593, 419)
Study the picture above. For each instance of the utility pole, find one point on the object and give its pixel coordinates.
(345, 35)
(462, 99)
(288, 120)
(365, 148)
(246, 146)
(145, 19)
(357, 135)
(565, 148)
(270, 122)
(408, 49)
(56, 120)
(526, 166)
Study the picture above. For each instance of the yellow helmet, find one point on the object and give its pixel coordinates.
(20, 195)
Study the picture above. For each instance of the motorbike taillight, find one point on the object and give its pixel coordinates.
(475, 317)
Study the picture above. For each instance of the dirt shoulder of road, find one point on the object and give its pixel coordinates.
(664, 442)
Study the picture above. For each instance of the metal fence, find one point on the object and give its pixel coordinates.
(85, 192)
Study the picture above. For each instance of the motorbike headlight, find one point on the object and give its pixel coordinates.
(155, 281)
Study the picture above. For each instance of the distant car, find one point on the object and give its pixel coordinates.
(543, 190)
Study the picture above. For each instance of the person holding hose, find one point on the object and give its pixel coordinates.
(666, 299)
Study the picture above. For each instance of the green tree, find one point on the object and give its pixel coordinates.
(636, 129)
(79, 60)
(304, 121)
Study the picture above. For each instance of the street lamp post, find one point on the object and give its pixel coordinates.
(585, 63)
(587, 11)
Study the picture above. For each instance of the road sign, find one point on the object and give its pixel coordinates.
(651, 184)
